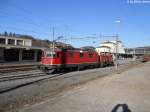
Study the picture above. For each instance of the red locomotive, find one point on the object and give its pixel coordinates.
(146, 58)
(56, 60)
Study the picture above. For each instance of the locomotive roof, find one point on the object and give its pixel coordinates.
(79, 50)
(72, 49)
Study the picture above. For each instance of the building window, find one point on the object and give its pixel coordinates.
(51, 54)
(20, 42)
(2, 41)
(11, 41)
(27, 43)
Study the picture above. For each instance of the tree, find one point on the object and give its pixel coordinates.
(14, 35)
(5, 33)
(26, 36)
(10, 34)
(47, 41)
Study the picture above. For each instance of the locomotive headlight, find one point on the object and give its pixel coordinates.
(81, 51)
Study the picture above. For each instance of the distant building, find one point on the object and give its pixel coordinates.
(15, 41)
(24, 48)
(110, 46)
(14, 49)
(103, 49)
(138, 50)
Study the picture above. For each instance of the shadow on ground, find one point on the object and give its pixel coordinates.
(124, 108)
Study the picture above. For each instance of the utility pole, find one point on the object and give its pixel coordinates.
(134, 54)
(118, 22)
(116, 57)
(65, 35)
(53, 37)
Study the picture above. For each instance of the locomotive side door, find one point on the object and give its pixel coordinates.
(63, 58)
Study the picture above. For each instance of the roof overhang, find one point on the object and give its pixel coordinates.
(21, 47)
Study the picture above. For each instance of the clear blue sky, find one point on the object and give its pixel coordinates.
(78, 18)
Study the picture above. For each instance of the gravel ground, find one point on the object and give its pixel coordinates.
(12, 100)
(132, 87)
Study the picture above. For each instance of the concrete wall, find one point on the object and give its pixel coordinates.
(25, 42)
(9, 45)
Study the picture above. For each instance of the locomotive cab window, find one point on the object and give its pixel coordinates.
(90, 55)
(81, 55)
(51, 54)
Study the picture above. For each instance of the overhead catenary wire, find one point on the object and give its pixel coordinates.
(31, 21)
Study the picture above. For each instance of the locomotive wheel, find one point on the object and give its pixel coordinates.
(80, 68)
(38, 66)
(50, 71)
(102, 64)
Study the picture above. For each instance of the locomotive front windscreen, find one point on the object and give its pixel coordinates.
(51, 54)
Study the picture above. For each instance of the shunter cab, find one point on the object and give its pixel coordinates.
(51, 59)
(102, 59)
(105, 59)
(110, 58)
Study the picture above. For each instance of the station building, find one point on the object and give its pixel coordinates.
(110, 46)
(138, 52)
(24, 48)
(20, 49)
(113, 47)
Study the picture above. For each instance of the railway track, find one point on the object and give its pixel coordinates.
(22, 71)
(15, 80)
(20, 76)
(8, 73)
(13, 77)
(9, 69)
(34, 77)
